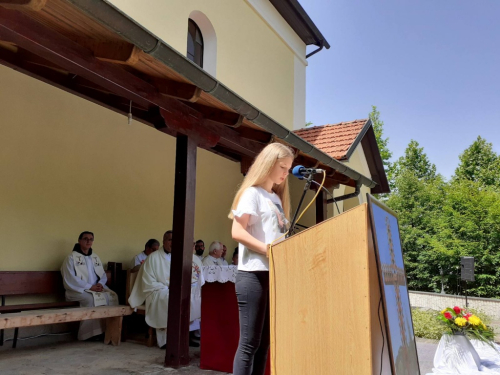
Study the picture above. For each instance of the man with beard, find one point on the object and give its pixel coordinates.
(199, 248)
(85, 280)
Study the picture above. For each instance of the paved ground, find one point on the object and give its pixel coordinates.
(78, 358)
(426, 349)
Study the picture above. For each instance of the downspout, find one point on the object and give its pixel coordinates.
(347, 196)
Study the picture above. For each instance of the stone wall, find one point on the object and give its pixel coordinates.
(438, 302)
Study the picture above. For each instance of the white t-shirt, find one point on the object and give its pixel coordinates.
(267, 223)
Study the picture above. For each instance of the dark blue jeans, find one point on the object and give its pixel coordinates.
(252, 290)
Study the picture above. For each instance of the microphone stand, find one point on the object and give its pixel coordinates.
(309, 180)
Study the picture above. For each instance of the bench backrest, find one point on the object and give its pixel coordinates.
(131, 276)
(17, 283)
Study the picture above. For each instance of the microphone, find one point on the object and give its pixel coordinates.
(300, 171)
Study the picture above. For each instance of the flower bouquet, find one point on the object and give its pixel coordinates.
(462, 322)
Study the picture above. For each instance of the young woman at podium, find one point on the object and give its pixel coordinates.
(260, 214)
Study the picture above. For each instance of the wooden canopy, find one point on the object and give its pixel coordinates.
(74, 45)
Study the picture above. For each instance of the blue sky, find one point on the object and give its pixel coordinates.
(432, 67)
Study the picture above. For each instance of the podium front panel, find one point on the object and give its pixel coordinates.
(322, 295)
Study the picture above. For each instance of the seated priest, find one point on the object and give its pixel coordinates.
(151, 246)
(85, 282)
(214, 255)
(199, 247)
(223, 256)
(152, 287)
(235, 256)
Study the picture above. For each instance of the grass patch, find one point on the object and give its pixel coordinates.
(426, 325)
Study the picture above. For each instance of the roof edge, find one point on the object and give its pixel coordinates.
(358, 139)
(321, 40)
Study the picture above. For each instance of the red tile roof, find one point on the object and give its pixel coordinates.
(336, 139)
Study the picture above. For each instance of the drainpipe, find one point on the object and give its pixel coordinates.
(347, 196)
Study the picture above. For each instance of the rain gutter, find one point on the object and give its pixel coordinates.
(114, 19)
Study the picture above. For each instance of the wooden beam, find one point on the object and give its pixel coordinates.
(321, 207)
(117, 53)
(190, 125)
(231, 119)
(17, 28)
(178, 90)
(256, 135)
(34, 5)
(231, 139)
(177, 353)
(246, 163)
(30, 318)
(226, 153)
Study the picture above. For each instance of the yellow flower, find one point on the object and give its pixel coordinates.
(442, 312)
(474, 320)
(484, 327)
(461, 322)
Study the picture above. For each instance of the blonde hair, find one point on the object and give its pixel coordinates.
(259, 172)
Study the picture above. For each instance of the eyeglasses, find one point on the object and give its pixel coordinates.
(87, 239)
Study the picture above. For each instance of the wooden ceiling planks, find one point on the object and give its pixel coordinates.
(61, 16)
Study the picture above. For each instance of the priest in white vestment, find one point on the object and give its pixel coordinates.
(85, 280)
(214, 257)
(151, 246)
(223, 256)
(152, 287)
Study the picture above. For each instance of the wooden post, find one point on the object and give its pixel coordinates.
(321, 207)
(177, 353)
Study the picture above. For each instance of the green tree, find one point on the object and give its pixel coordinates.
(479, 163)
(417, 197)
(469, 225)
(417, 202)
(442, 221)
(414, 160)
(378, 129)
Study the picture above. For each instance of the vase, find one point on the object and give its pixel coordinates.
(463, 343)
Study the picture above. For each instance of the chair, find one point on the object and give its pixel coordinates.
(139, 310)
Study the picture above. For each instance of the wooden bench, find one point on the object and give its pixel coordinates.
(25, 283)
(113, 315)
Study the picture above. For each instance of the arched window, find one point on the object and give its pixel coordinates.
(195, 44)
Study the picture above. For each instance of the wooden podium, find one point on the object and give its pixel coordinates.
(325, 299)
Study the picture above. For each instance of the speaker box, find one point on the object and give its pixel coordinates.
(467, 267)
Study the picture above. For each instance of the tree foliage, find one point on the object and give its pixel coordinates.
(378, 129)
(440, 221)
(479, 163)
